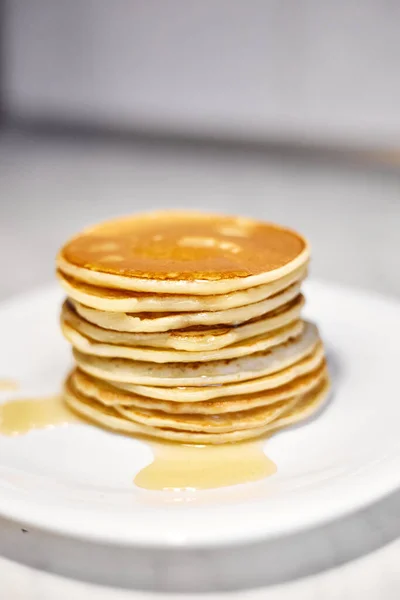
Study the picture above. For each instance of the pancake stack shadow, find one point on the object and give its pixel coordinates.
(187, 327)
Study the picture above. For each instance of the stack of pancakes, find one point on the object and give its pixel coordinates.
(187, 327)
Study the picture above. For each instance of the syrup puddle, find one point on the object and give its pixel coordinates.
(20, 416)
(8, 385)
(188, 468)
(176, 467)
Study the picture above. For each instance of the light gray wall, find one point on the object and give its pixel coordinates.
(310, 70)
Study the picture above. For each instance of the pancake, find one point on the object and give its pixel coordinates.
(201, 373)
(114, 300)
(193, 339)
(187, 327)
(304, 408)
(157, 355)
(161, 322)
(225, 423)
(178, 395)
(297, 409)
(109, 395)
(180, 252)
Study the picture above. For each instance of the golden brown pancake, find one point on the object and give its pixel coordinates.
(187, 327)
(179, 252)
(107, 394)
(180, 394)
(202, 373)
(191, 339)
(158, 322)
(297, 409)
(161, 355)
(224, 423)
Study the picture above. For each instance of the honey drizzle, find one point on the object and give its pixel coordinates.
(8, 385)
(181, 467)
(22, 415)
(176, 467)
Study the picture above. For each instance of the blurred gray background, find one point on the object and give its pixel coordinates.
(286, 111)
(304, 71)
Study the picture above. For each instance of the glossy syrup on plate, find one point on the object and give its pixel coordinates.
(176, 467)
(8, 385)
(21, 415)
(181, 467)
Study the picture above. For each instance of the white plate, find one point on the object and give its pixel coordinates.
(78, 480)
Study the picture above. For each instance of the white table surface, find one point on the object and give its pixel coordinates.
(48, 190)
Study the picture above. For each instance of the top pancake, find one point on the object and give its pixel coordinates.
(182, 252)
